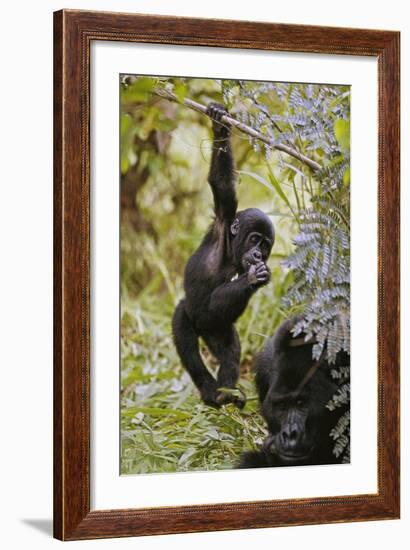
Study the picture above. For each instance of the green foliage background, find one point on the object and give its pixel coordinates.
(166, 206)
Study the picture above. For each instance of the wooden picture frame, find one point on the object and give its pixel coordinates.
(74, 32)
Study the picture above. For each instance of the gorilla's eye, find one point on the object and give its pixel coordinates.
(254, 239)
(280, 406)
(299, 402)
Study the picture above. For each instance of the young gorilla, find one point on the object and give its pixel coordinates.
(293, 391)
(221, 276)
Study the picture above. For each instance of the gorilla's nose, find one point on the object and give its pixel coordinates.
(290, 436)
(257, 255)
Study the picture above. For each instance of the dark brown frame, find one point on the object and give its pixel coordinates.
(73, 33)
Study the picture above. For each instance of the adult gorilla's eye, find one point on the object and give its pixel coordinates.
(279, 406)
(254, 239)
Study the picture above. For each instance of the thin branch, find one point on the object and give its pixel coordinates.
(194, 105)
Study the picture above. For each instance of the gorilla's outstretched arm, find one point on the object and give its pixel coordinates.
(221, 175)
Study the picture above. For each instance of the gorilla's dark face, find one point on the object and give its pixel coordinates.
(296, 419)
(253, 238)
(294, 390)
(292, 436)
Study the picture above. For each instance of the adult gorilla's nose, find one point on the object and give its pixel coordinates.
(290, 436)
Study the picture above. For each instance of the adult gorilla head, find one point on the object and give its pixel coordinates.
(293, 391)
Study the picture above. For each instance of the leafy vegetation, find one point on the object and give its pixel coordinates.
(166, 206)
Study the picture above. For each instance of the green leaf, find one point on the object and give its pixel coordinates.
(186, 455)
(256, 177)
(278, 188)
(125, 124)
(272, 185)
(342, 133)
(234, 392)
(124, 163)
(346, 176)
(180, 90)
(139, 90)
(156, 411)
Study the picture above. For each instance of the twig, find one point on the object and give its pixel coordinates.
(194, 105)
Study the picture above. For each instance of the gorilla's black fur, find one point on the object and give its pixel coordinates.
(221, 276)
(293, 391)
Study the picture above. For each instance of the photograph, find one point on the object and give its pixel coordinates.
(205, 270)
(226, 241)
(234, 274)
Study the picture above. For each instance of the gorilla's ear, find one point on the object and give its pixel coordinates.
(235, 227)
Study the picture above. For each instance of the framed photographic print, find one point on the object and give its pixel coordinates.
(226, 275)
